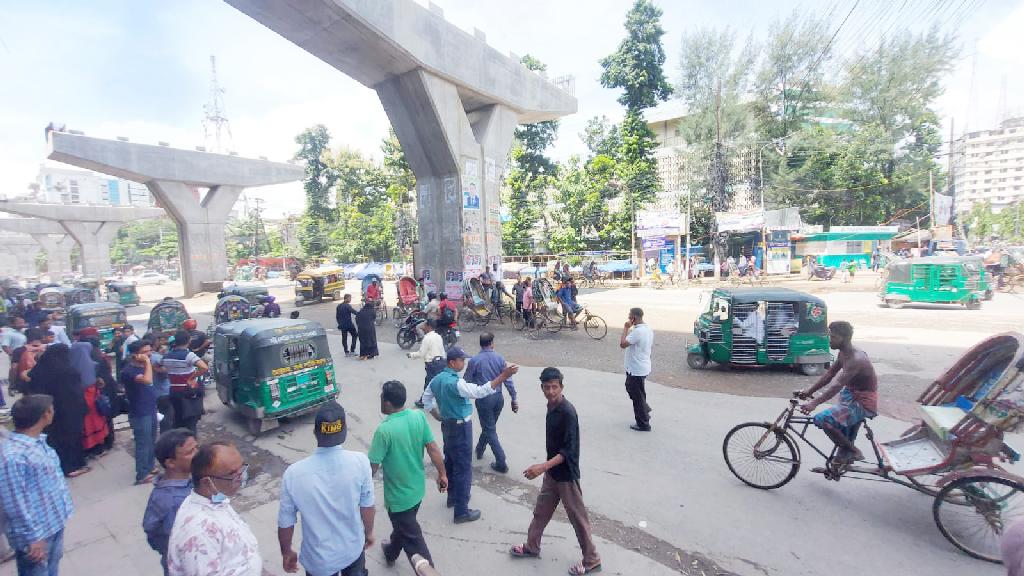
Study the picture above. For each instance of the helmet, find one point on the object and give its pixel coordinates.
(189, 324)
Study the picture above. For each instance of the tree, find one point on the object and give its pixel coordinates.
(530, 173)
(402, 190)
(636, 68)
(601, 137)
(317, 222)
(145, 241)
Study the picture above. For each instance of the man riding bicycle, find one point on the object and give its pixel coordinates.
(858, 394)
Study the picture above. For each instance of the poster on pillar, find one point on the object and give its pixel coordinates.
(474, 265)
(425, 196)
(491, 169)
(428, 281)
(471, 185)
(450, 189)
(453, 285)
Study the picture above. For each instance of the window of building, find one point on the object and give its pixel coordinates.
(73, 191)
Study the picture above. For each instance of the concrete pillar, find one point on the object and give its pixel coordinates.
(58, 252)
(201, 227)
(8, 263)
(94, 239)
(457, 158)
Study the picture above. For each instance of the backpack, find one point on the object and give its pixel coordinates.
(447, 315)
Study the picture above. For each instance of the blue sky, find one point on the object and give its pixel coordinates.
(140, 68)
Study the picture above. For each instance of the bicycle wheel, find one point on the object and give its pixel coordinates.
(382, 313)
(595, 326)
(518, 322)
(553, 324)
(467, 320)
(760, 456)
(973, 512)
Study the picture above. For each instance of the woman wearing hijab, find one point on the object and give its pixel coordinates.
(367, 331)
(57, 377)
(95, 429)
(109, 387)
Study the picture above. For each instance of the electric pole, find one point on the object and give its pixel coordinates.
(717, 179)
(257, 223)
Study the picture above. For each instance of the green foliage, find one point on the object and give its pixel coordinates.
(530, 173)
(636, 66)
(145, 241)
(601, 137)
(983, 225)
(314, 148)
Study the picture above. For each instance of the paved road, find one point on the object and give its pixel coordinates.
(663, 503)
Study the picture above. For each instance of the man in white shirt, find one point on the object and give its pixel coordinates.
(13, 337)
(637, 340)
(432, 353)
(209, 538)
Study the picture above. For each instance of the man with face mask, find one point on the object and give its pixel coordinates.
(209, 538)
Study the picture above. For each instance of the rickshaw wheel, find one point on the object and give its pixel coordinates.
(518, 321)
(973, 512)
(254, 425)
(812, 369)
(760, 455)
(596, 327)
(696, 361)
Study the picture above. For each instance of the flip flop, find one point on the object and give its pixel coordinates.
(578, 569)
(79, 472)
(520, 551)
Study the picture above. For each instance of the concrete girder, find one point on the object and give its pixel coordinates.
(24, 249)
(373, 41)
(93, 227)
(50, 235)
(172, 175)
(58, 252)
(457, 158)
(201, 228)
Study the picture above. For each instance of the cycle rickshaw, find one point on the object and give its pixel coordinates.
(381, 310)
(953, 454)
(410, 298)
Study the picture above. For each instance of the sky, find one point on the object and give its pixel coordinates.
(141, 69)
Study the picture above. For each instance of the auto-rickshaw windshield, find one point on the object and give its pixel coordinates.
(720, 308)
(103, 320)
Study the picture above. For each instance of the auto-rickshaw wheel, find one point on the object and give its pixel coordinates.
(696, 361)
(254, 425)
(298, 303)
(894, 304)
(973, 304)
(812, 369)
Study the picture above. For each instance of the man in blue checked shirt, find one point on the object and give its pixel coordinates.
(32, 489)
(481, 369)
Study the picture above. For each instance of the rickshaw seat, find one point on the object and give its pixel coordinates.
(941, 419)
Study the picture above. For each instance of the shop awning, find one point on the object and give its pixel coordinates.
(842, 236)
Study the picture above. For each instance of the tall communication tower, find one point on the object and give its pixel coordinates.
(216, 129)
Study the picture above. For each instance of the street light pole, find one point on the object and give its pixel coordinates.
(764, 221)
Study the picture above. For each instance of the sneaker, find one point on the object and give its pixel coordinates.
(639, 428)
(499, 469)
(471, 516)
(384, 545)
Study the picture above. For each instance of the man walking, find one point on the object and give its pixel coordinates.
(343, 315)
(397, 447)
(333, 491)
(637, 340)
(481, 369)
(34, 495)
(455, 413)
(561, 474)
(432, 353)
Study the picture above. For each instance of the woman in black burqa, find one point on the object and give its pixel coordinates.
(367, 331)
(54, 375)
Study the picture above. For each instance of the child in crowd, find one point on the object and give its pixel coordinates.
(174, 451)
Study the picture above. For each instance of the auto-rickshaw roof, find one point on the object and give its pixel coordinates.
(322, 271)
(95, 308)
(246, 289)
(270, 331)
(750, 295)
(119, 285)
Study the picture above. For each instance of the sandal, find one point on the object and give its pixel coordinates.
(79, 472)
(520, 551)
(578, 569)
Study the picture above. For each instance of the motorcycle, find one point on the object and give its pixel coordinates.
(409, 333)
(822, 272)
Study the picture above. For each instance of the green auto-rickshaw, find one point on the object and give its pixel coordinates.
(166, 318)
(104, 316)
(272, 368)
(74, 296)
(937, 280)
(762, 326)
(251, 292)
(51, 299)
(122, 293)
(231, 308)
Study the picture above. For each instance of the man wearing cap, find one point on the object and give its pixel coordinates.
(333, 491)
(452, 395)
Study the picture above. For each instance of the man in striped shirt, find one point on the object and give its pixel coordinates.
(33, 492)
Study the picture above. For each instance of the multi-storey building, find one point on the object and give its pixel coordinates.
(989, 166)
(66, 185)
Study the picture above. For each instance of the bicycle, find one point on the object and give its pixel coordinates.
(593, 325)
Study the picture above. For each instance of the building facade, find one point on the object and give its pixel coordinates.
(989, 166)
(66, 185)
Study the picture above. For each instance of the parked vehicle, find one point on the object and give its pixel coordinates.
(953, 454)
(104, 316)
(267, 369)
(167, 317)
(51, 299)
(815, 270)
(762, 326)
(252, 293)
(315, 284)
(230, 308)
(148, 278)
(937, 280)
(74, 296)
(122, 293)
(411, 297)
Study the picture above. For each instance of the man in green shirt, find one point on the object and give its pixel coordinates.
(398, 447)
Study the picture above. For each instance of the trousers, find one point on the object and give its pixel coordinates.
(165, 407)
(569, 494)
(346, 332)
(489, 410)
(357, 568)
(637, 393)
(406, 535)
(458, 463)
(144, 431)
(48, 567)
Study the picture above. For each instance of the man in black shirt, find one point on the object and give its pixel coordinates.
(343, 315)
(561, 478)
